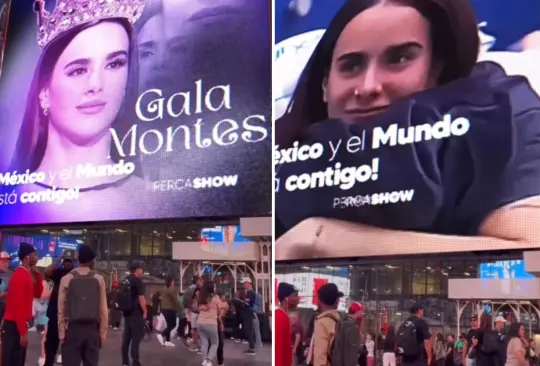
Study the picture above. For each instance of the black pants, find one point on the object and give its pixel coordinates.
(82, 344)
(12, 352)
(220, 347)
(189, 332)
(52, 342)
(418, 362)
(238, 331)
(133, 336)
(182, 324)
(247, 326)
(170, 319)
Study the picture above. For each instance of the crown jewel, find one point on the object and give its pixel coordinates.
(71, 13)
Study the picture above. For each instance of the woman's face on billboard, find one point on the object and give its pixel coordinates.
(382, 55)
(87, 86)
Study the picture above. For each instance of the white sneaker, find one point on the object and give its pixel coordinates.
(41, 361)
(170, 344)
(59, 359)
(160, 339)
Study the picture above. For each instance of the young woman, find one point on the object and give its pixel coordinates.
(485, 337)
(515, 351)
(84, 85)
(420, 66)
(389, 348)
(440, 352)
(370, 346)
(450, 351)
(209, 322)
(41, 319)
(169, 308)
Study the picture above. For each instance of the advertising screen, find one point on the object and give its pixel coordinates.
(135, 109)
(5, 6)
(308, 284)
(511, 269)
(406, 130)
(223, 234)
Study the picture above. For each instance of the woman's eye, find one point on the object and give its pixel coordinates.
(77, 72)
(145, 54)
(399, 59)
(116, 64)
(352, 67)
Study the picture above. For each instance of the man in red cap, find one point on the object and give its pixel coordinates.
(357, 312)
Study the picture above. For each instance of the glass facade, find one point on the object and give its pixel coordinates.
(387, 288)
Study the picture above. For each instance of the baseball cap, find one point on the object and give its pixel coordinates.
(5, 256)
(355, 307)
(285, 290)
(329, 293)
(500, 318)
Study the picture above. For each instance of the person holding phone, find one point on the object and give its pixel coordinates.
(55, 272)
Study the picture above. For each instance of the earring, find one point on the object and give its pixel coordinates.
(356, 92)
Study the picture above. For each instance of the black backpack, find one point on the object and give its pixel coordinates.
(124, 297)
(490, 342)
(407, 339)
(82, 300)
(346, 346)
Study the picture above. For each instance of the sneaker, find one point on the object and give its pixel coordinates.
(245, 342)
(199, 351)
(237, 341)
(59, 359)
(160, 339)
(41, 361)
(170, 344)
(193, 349)
(249, 352)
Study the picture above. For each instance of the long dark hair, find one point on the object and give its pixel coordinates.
(513, 332)
(391, 335)
(33, 135)
(486, 322)
(456, 44)
(207, 293)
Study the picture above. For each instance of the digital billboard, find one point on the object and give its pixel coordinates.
(135, 109)
(5, 6)
(504, 270)
(406, 128)
(308, 283)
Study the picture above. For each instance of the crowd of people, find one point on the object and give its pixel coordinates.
(335, 338)
(70, 305)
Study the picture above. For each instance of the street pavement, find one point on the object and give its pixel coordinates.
(153, 354)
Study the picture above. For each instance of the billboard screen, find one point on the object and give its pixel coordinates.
(308, 283)
(391, 139)
(135, 109)
(504, 270)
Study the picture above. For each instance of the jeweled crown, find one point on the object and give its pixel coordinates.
(71, 13)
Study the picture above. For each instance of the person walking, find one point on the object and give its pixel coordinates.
(248, 316)
(209, 323)
(24, 286)
(83, 314)
(170, 306)
(132, 302)
(55, 272)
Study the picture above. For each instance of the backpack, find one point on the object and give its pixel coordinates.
(257, 306)
(407, 340)
(123, 300)
(82, 300)
(346, 346)
(490, 343)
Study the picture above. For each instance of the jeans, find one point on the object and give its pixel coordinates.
(170, 319)
(209, 340)
(133, 336)
(257, 330)
(389, 359)
(82, 344)
(247, 326)
(12, 352)
(52, 342)
(238, 331)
